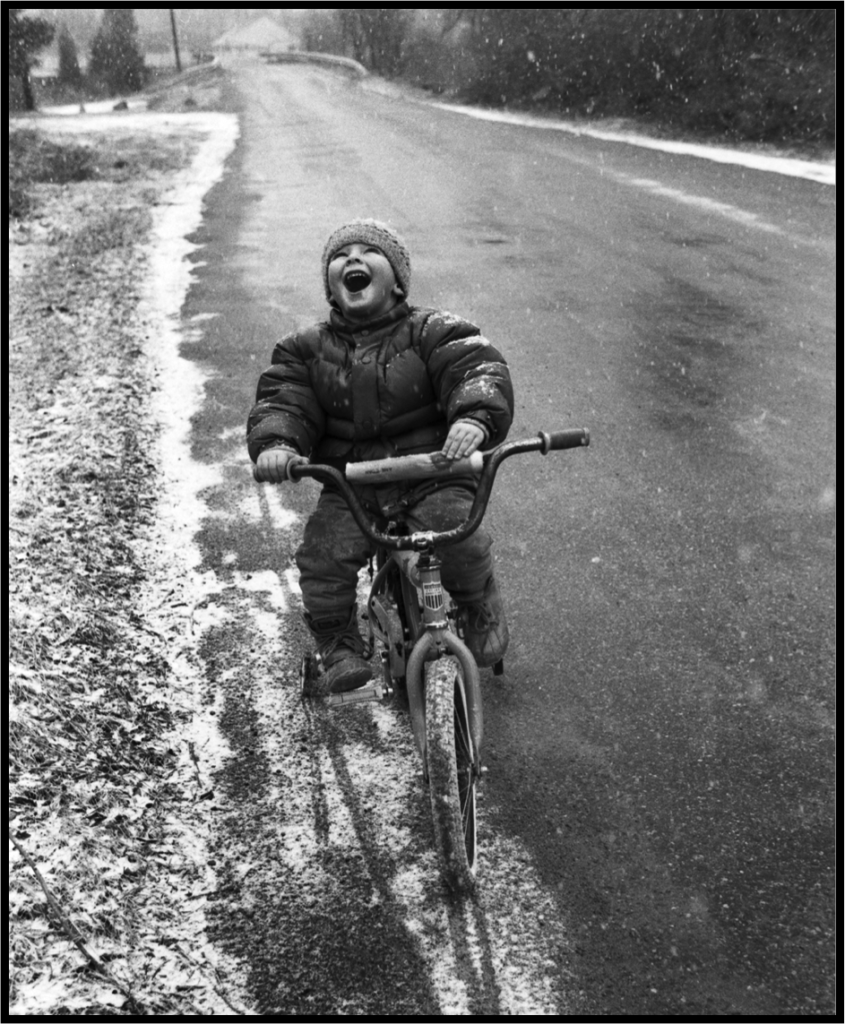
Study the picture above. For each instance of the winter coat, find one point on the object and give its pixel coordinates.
(342, 392)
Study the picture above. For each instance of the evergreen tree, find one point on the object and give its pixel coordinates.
(69, 71)
(756, 73)
(116, 58)
(26, 37)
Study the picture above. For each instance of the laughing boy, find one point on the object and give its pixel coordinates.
(382, 378)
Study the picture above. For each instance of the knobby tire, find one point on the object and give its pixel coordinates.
(451, 777)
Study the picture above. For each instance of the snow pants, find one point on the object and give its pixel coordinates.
(334, 550)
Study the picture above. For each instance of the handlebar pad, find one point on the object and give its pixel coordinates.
(433, 466)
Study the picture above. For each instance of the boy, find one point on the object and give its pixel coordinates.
(382, 378)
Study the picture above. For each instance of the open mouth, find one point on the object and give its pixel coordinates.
(356, 280)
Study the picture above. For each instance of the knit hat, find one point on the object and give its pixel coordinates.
(370, 232)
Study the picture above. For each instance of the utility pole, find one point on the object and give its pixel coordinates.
(175, 39)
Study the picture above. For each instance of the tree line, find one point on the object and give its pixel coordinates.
(747, 73)
(751, 73)
(116, 63)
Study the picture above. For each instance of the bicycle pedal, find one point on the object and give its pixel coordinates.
(499, 668)
(363, 695)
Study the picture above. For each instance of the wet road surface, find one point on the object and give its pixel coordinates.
(659, 799)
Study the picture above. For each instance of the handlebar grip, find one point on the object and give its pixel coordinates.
(293, 467)
(576, 437)
(298, 460)
(413, 467)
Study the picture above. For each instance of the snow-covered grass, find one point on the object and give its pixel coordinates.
(104, 854)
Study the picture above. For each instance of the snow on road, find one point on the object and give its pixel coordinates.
(362, 797)
(346, 817)
(521, 951)
(355, 791)
(813, 170)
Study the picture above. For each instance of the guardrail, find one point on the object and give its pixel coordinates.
(194, 71)
(307, 57)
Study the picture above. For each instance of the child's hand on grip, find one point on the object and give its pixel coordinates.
(272, 465)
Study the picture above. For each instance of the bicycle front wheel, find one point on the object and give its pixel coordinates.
(450, 758)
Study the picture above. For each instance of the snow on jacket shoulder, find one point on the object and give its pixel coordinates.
(340, 391)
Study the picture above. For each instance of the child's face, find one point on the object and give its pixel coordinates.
(362, 282)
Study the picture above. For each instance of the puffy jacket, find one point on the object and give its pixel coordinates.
(344, 392)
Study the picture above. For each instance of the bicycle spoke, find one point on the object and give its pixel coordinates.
(466, 815)
(463, 743)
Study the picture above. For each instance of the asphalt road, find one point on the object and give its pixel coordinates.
(659, 807)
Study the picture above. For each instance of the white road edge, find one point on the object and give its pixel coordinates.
(813, 170)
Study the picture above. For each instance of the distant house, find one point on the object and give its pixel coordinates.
(262, 34)
(47, 68)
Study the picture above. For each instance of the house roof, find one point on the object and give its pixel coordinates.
(261, 34)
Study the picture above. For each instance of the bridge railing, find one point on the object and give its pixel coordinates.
(308, 57)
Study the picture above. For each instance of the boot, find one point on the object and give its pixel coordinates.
(485, 628)
(341, 648)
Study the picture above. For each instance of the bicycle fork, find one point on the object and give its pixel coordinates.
(436, 642)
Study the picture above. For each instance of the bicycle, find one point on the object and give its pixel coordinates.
(415, 626)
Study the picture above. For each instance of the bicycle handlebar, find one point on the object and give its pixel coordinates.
(434, 466)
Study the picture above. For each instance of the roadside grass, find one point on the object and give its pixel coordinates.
(88, 757)
(35, 158)
(100, 780)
